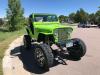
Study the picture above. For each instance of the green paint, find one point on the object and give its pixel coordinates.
(48, 28)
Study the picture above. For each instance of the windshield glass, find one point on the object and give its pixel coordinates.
(45, 18)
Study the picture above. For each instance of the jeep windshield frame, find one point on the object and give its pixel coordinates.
(45, 18)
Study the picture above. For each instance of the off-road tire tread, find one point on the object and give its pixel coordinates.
(48, 54)
(83, 46)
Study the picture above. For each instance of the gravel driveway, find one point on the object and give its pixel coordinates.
(21, 63)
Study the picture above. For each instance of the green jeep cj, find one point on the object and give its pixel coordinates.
(50, 41)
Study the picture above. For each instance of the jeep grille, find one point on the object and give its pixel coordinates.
(63, 35)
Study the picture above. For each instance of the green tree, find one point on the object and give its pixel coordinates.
(72, 16)
(81, 16)
(92, 18)
(97, 15)
(63, 18)
(1, 22)
(15, 15)
(99, 7)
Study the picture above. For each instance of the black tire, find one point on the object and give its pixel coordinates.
(47, 55)
(27, 41)
(99, 25)
(84, 26)
(79, 48)
(79, 26)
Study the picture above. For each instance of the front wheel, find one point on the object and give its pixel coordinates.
(27, 41)
(43, 55)
(78, 49)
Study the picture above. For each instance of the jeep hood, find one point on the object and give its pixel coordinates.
(49, 28)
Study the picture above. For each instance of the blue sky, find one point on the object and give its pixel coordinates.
(59, 7)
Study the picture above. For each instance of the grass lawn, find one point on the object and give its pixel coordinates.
(5, 39)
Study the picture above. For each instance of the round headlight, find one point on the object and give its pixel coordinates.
(70, 30)
(56, 33)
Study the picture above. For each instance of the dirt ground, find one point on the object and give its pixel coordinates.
(18, 62)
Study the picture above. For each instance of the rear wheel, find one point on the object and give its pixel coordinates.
(43, 55)
(27, 41)
(79, 48)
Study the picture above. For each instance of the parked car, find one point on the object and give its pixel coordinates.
(50, 39)
(99, 25)
(84, 25)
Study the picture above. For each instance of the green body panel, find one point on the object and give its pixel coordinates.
(47, 28)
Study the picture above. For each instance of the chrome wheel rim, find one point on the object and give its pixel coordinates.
(39, 57)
